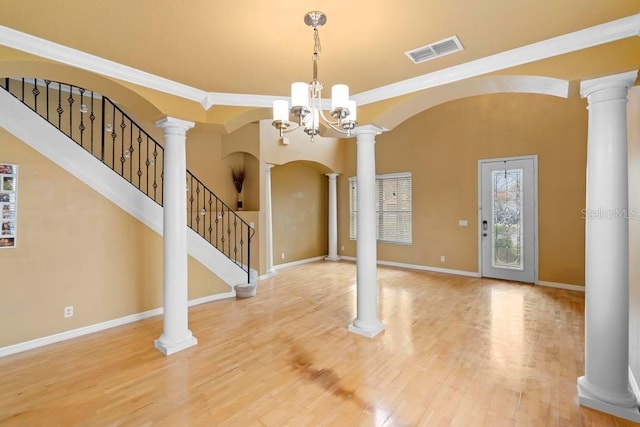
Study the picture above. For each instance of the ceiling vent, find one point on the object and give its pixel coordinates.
(435, 50)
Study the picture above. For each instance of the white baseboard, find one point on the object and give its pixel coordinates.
(421, 267)
(634, 385)
(560, 286)
(85, 330)
(210, 298)
(464, 273)
(427, 268)
(299, 262)
(290, 264)
(267, 276)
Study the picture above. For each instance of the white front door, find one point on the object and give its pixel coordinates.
(508, 219)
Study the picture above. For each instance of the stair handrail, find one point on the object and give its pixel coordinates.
(123, 146)
(218, 223)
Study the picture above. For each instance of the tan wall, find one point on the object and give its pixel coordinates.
(299, 198)
(441, 148)
(205, 161)
(633, 121)
(327, 152)
(76, 248)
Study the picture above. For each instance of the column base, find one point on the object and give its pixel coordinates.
(332, 258)
(624, 407)
(169, 347)
(368, 331)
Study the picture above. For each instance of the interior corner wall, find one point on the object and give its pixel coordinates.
(299, 196)
(441, 147)
(633, 124)
(205, 161)
(76, 248)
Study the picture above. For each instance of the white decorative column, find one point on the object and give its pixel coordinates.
(605, 385)
(333, 219)
(268, 220)
(176, 335)
(366, 322)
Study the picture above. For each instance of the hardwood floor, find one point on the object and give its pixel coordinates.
(456, 352)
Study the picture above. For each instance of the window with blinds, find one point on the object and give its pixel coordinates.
(393, 208)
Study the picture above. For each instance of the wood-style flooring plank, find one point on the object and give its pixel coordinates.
(456, 351)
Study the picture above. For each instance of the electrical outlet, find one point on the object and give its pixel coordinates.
(342, 248)
(68, 311)
(282, 256)
(442, 258)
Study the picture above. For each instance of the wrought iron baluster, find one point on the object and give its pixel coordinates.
(103, 128)
(197, 211)
(35, 91)
(22, 91)
(122, 134)
(60, 110)
(235, 238)
(70, 100)
(241, 243)
(139, 139)
(147, 163)
(222, 238)
(162, 175)
(92, 119)
(155, 171)
(131, 151)
(83, 109)
(229, 232)
(190, 190)
(113, 138)
(217, 220)
(211, 213)
(46, 84)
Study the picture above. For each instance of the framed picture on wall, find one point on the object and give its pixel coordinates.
(8, 205)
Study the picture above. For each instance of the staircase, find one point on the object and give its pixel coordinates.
(117, 158)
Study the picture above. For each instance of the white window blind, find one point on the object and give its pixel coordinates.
(393, 208)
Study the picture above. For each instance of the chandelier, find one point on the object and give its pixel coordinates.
(306, 99)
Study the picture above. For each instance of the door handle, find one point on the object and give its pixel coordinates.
(485, 226)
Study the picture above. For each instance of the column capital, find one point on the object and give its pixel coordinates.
(368, 130)
(622, 80)
(172, 125)
(268, 167)
(332, 176)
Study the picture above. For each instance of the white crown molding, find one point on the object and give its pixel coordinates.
(589, 37)
(76, 58)
(238, 100)
(578, 40)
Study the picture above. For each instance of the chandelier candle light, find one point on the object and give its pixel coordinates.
(306, 99)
